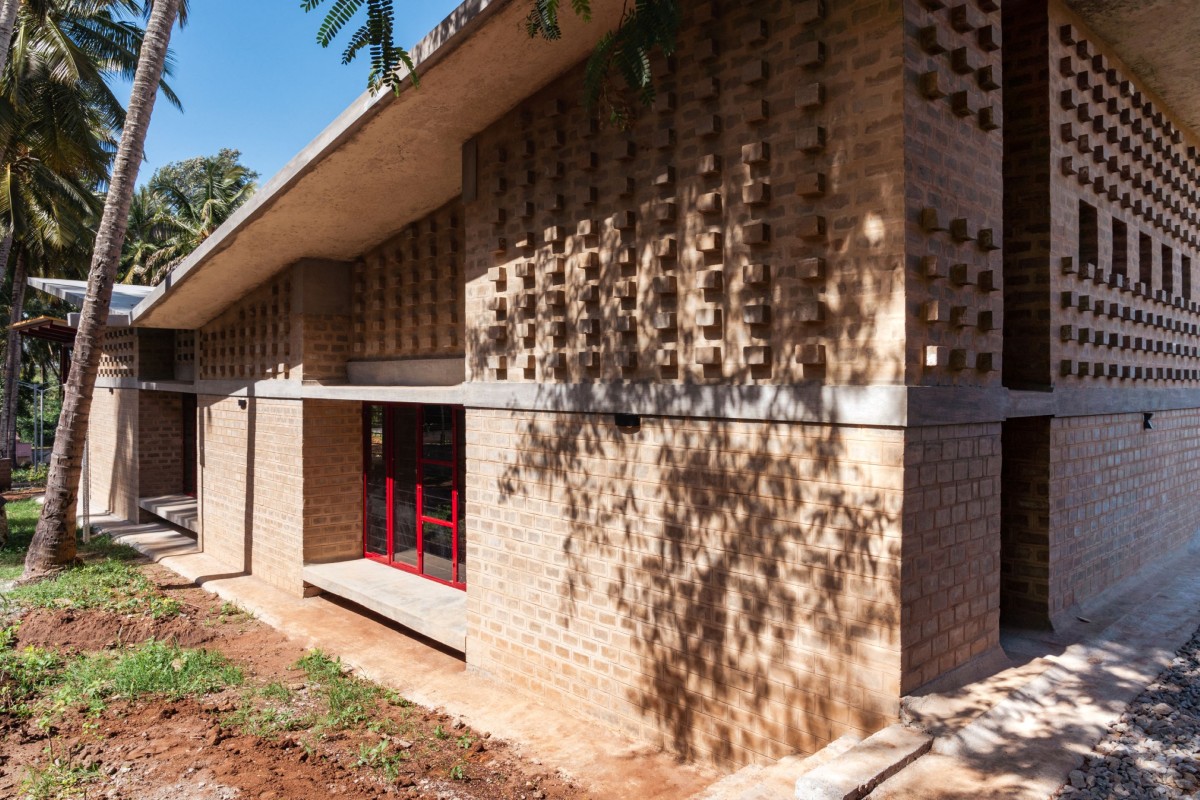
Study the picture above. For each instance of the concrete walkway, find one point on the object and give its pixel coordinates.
(607, 763)
(1019, 732)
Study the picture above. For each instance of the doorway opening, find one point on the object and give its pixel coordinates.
(188, 444)
(1025, 523)
(412, 489)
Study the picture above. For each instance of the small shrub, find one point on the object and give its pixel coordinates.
(379, 758)
(32, 475)
(58, 780)
(24, 674)
(349, 700)
(266, 712)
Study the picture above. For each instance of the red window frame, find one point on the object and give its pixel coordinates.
(458, 580)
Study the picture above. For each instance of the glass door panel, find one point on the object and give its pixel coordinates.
(375, 484)
(437, 541)
(437, 433)
(404, 485)
(412, 479)
(437, 484)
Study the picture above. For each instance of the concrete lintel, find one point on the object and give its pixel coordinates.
(880, 406)
(114, 319)
(848, 405)
(1091, 402)
(407, 372)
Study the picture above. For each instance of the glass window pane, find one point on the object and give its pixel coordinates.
(376, 539)
(438, 483)
(438, 553)
(404, 485)
(438, 441)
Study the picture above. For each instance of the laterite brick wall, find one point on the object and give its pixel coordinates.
(1118, 248)
(749, 228)
(252, 339)
(160, 443)
(408, 293)
(251, 486)
(1120, 497)
(112, 452)
(951, 555)
(333, 481)
(118, 354)
(954, 183)
(729, 590)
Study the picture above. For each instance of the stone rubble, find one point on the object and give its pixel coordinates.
(1153, 750)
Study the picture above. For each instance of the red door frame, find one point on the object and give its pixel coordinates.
(389, 456)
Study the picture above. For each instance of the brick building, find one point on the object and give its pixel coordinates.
(877, 331)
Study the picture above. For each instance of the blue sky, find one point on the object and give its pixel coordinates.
(252, 77)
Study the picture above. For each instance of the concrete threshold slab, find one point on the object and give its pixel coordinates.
(434, 610)
(177, 509)
(606, 762)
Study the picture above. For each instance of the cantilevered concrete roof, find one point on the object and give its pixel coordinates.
(387, 160)
(1159, 40)
(124, 298)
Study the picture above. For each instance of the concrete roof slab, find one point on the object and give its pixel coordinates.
(386, 161)
(1159, 40)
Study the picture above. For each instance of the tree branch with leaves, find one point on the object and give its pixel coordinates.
(619, 66)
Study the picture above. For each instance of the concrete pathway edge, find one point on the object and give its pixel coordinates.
(1026, 745)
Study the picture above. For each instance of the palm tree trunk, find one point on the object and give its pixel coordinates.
(12, 366)
(8, 19)
(53, 545)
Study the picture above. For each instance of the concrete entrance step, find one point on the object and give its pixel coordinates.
(153, 539)
(863, 767)
(177, 509)
(776, 781)
(434, 610)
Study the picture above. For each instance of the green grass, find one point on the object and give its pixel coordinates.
(109, 584)
(382, 758)
(151, 668)
(269, 711)
(350, 700)
(37, 681)
(22, 519)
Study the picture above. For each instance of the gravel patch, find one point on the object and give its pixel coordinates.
(1153, 750)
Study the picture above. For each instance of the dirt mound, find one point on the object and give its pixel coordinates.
(98, 630)
(158, 749)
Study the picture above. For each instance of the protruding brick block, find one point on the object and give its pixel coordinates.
(757, 355)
